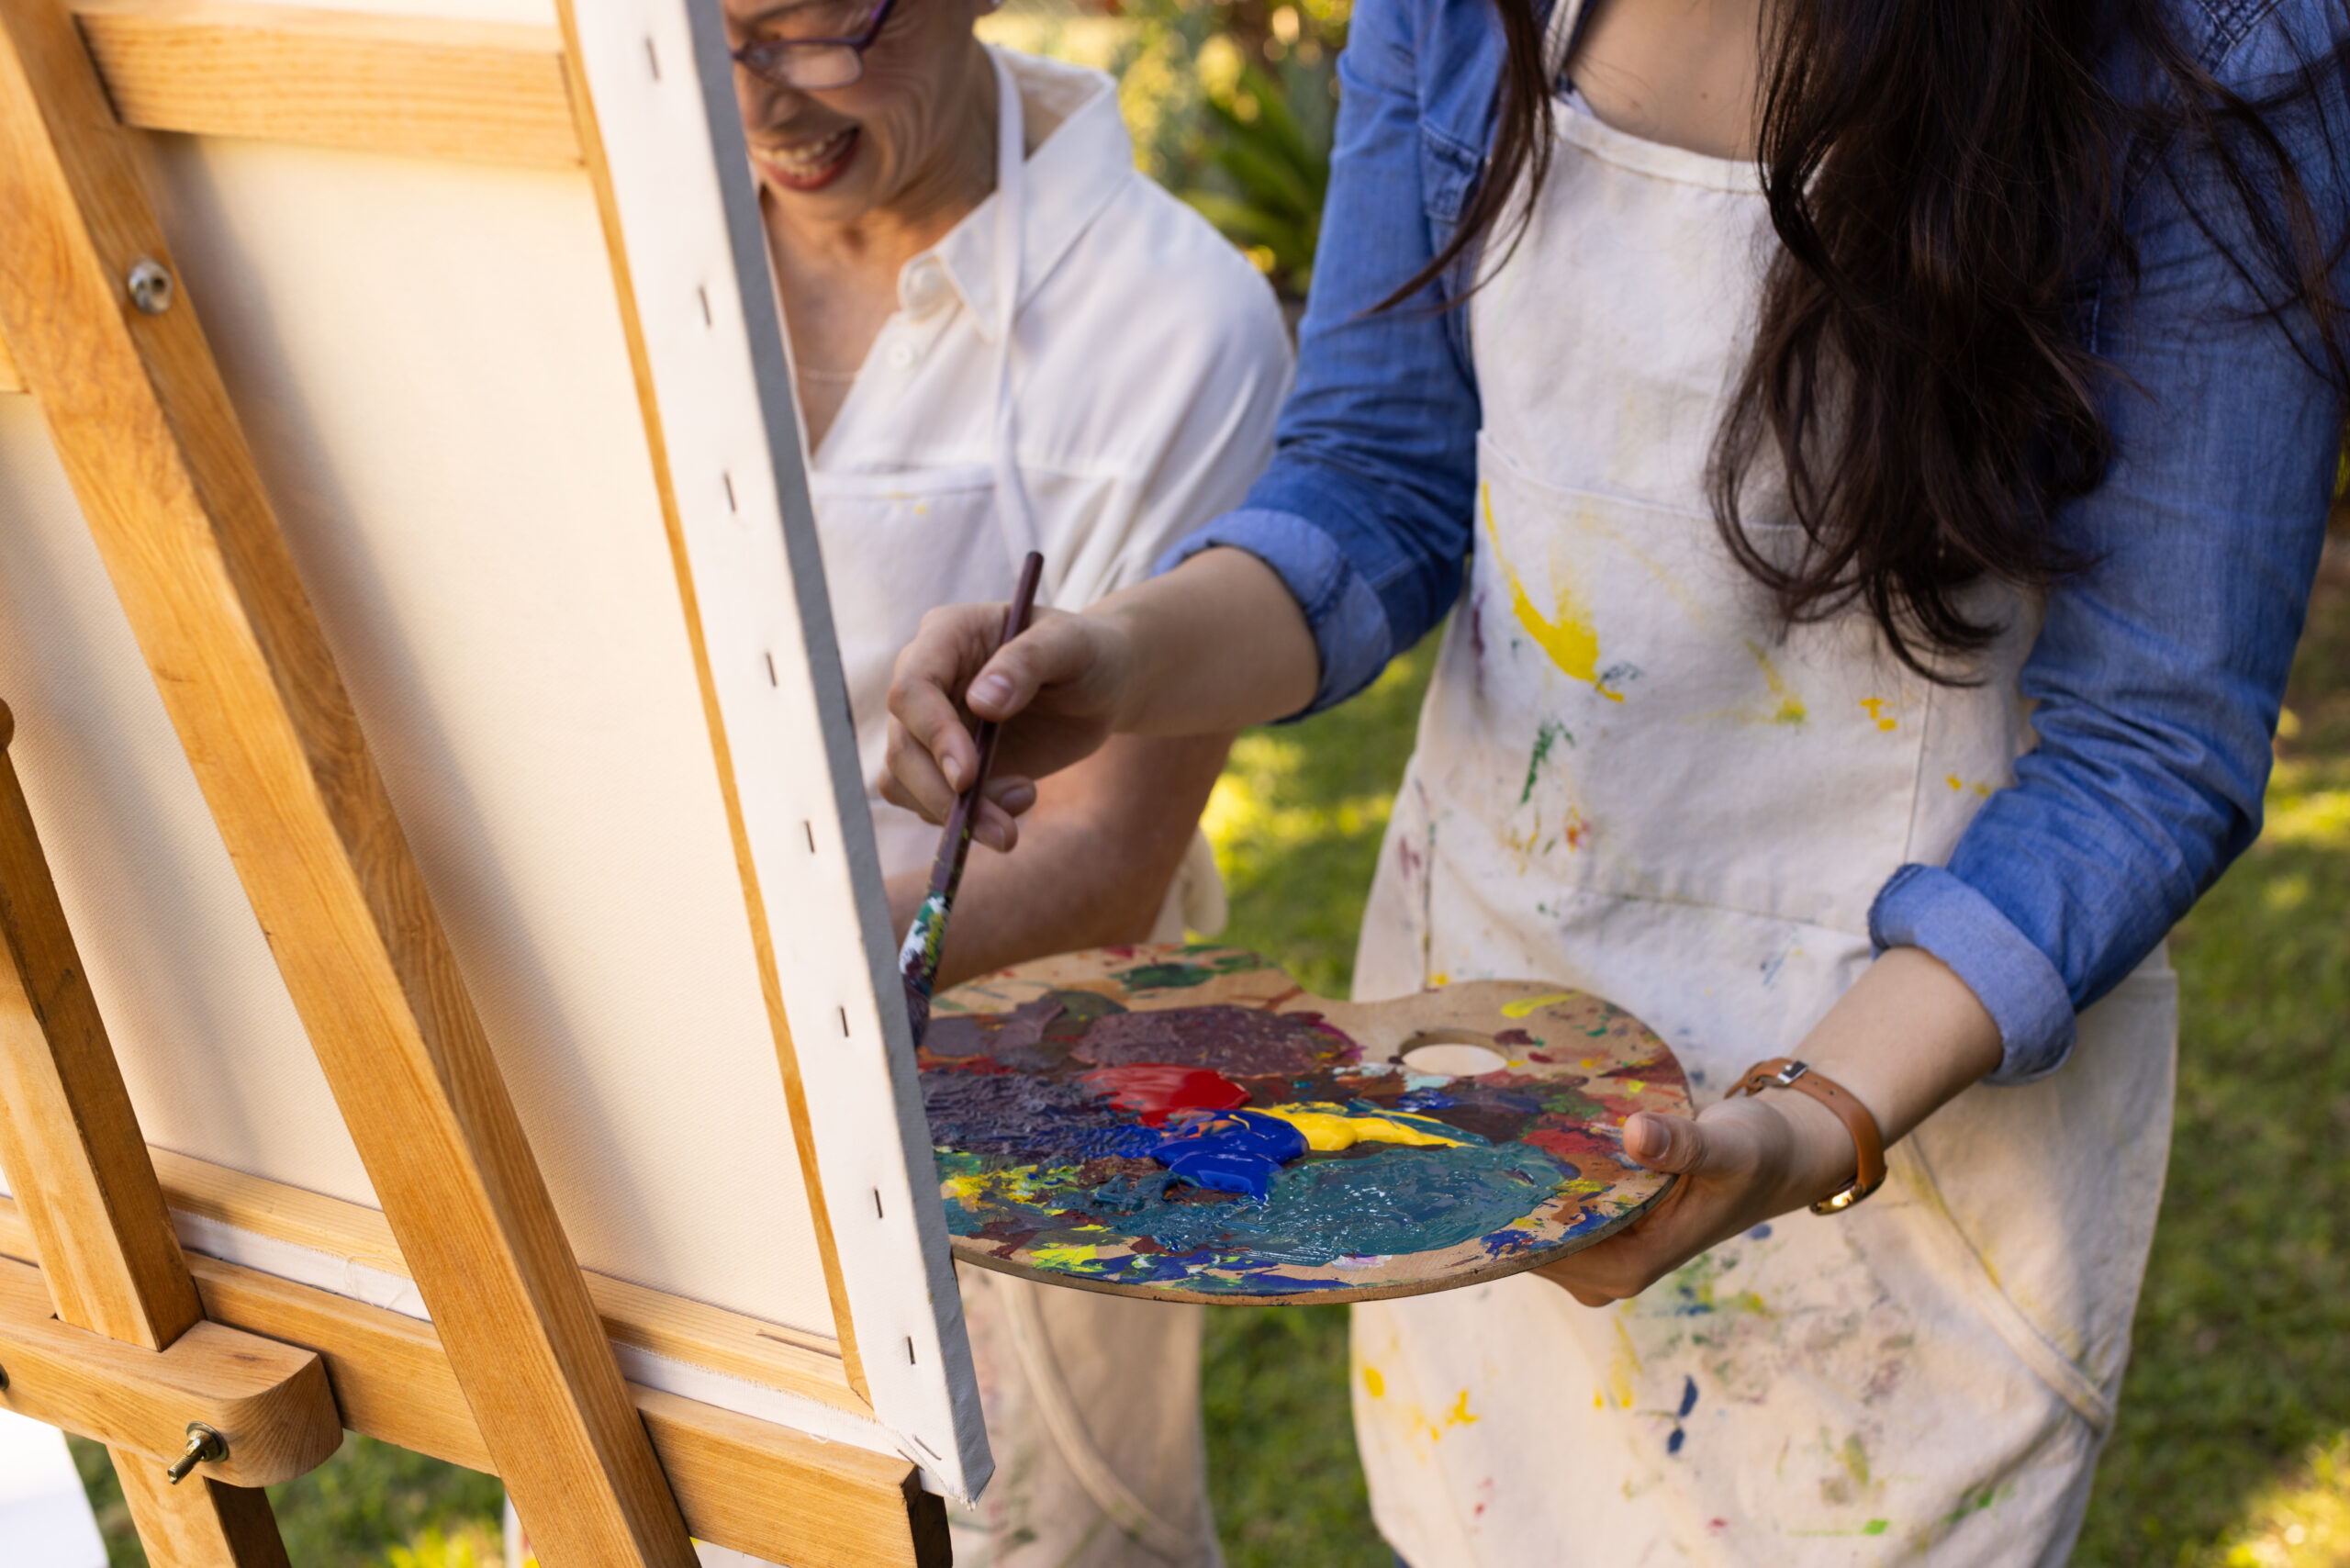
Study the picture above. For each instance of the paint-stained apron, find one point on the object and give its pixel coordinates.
(1630, 779)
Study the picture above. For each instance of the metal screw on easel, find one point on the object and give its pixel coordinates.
(205, 1446)
(151, 286)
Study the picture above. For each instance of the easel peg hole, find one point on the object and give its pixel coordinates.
(772, 681)
(876, 1215)
(910, 1349)
(806, 827)
(651, 57)
(844, 1013)
(728, 480)
(703, 295)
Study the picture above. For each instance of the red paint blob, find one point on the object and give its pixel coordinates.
(1157, 1089)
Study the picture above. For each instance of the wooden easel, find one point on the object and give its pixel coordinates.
(147, 1349)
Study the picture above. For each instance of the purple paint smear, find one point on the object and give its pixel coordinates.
(1235, 1041)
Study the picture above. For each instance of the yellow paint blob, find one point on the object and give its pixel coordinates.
(1329, 1127)
(1566, 634)
(1373, 1381)
(1875, 709)
(1460, 1416)
(1525, 1006)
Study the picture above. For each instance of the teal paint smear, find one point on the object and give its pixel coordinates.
(1394, 1201)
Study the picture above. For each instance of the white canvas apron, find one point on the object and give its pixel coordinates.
(1629, 779)
(1091, 1401)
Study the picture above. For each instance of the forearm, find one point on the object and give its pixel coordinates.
(1906, 1039)
(1217, 644)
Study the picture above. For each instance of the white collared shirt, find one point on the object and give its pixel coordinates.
(1149, 363)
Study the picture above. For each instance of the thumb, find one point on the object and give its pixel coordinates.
(1674, 1144)
(1054, 651)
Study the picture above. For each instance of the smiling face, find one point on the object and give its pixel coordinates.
(900, 139)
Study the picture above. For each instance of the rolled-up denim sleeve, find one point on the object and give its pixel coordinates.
(2159, 671)
(1364, 511)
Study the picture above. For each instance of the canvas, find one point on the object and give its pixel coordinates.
(527, 427)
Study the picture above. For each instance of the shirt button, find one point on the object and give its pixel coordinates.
(921, 288)
(901, 355)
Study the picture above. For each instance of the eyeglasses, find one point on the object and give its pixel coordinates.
(819, 44)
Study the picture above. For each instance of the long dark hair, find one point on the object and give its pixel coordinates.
(1946, 180)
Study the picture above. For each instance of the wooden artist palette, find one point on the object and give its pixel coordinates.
(1085, 1108)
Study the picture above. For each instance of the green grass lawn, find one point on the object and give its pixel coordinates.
(2233, 1446)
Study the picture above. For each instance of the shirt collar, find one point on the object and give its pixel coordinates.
(1070, 177)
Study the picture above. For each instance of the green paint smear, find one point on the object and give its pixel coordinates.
(1549, 734)
(1182, 976)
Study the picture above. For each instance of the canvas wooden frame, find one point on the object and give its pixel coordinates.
(784, 1444)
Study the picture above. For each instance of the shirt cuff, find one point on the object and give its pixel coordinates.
(1927, 907)
(1349, 624)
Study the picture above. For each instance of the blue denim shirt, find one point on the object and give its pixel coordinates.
(2157, 675)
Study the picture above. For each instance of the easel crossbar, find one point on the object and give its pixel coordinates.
(740, 1483)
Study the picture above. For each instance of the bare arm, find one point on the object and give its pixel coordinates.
(1094, 859)
(1905, 1040)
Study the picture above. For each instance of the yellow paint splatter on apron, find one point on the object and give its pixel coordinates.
(1790, 710)
(1568, 636)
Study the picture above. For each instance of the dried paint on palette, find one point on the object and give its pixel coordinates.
(1186, 1121)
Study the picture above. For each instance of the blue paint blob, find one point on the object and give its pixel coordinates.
(1240, 1153)
(1673, 1444)
(1688, 1395)
(1760, 1233)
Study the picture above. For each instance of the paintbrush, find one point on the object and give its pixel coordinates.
(926, 937)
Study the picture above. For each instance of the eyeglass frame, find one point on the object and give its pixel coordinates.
(778, 49)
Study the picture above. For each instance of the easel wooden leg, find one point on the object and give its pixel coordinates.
(72, 1147)
(198, 1523)
(144, 429)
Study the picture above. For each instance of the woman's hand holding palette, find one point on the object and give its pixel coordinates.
(1186, 1123)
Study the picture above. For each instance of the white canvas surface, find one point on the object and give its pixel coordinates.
(429, 361)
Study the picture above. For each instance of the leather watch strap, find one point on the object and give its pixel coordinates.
(1868, 1142)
